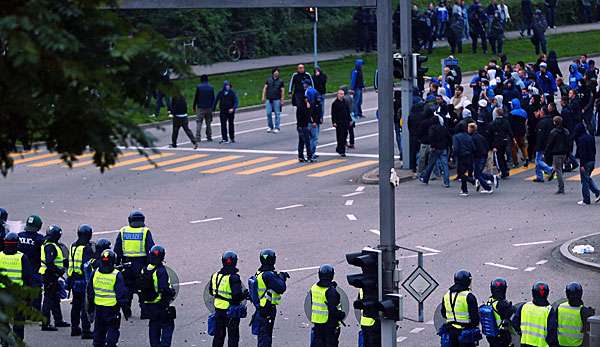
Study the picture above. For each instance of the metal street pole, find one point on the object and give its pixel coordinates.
(315, 37)
(407, 83)
(386, 160)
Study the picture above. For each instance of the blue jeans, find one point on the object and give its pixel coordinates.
(314, 138)
(273, 106)
(358, 96)
(541, 166)
(439, 158)
(304, 141)
(398, 132)
(587, 183)
(441, 30)
(478, 166)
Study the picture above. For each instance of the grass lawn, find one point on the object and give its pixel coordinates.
(248, 85)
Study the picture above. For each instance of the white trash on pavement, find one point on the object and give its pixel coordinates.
(583, 249)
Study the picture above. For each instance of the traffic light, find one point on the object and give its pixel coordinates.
(369, 281)
(398, 66)
(311, 12)
(419, 70)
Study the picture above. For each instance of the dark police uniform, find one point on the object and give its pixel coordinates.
(80, 254)
(271, 286)
(226, 287)
(30, 244)
(326, 314)
(53, 264)
(17, 267)
(162, 323)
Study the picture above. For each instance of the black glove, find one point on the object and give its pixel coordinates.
(126, 312)
(333, 284)
(284, 275)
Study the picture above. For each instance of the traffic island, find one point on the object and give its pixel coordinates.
(372, 176)
(590, 260)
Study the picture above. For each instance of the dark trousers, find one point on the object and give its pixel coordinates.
(454, 334)
(351, 135)
(363, 39)
(496, 44)
(160, 331)
(464, 172)
(474, 37)
(341, 133)
(267, 322)
(130, 276)
(181, 122)
(227, 122)
(550, 16)
(36, 282)
(106, 326)
(478, 166)
(372, 335)
(78, 312)
(527, 25)
(501, 160)
(455, 45)
(531, 138)
(51, 302)
(226, 326)
(324, 335)
(587, 183)
(540, 45)
(304, 141)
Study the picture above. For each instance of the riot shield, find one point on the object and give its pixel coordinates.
(174, 279)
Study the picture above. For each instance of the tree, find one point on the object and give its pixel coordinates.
(72, 74)
(14, 302)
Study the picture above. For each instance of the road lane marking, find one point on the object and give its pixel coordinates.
(344, 168)
(142, 159)
(23, 153)
(301, 269)
(375, 231)
(89, 162)
(416, 330)
(349, 202)
(416, 255)
(529, 269)
(595, 172)
(428, 249)
(360, 188)
(189, 283)
(308, 167)
(206, 220)
(356, 138)
(351, 194)
(58, 161)
(531, 243)
(351, 217)
(34, 158)
(502, 266)
(541, 262)
(430, 322)
(169, 162)
(268, 167)
(400, 338)
(106, 232)
(238, 165)
(203, 163)
(288, 207)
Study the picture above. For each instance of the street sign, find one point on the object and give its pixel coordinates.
(450, 61)
(420, 284)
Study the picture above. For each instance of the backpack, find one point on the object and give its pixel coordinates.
(253, 290)
(489, 326)
(145, 283)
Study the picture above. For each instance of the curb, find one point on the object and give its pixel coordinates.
(372, 177)
(564, 251)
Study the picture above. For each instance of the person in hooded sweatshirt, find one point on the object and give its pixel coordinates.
(357, 86)
(575, 77)
(228, 103)
(535, 320)
(558, 147)
(518, 124)
(586, 153)
(503, 310)
(571, 317)
(501, 135)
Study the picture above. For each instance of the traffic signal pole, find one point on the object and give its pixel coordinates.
(406, 83)
(315, 42)
(386, 160)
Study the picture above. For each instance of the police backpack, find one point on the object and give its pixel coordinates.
(145, 285)
(253, 290)
(489, 326)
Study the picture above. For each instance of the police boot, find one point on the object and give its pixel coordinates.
(75, 331)
(48, 327)
(62, 324)
(87, 335)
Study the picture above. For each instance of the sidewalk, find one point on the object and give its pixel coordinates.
(262, 63)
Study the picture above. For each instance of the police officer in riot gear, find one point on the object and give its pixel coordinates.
(30, 244)
(3, 228)
(158, 293)
(226, 288)
(460, 309)
(535, 320)
(106, 294)
(370, 328)
(571, 316)
(16, 266)
(503, 310)
(132, 246)
(80, 253)
(53, 266)
(326, 313)
(271, 285)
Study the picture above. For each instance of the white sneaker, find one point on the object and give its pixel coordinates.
(477, 185)
(597, 199)
(483, 191)
(496, 181)
(463, 194)
(269, 130)
(581, 203)
(275, 131)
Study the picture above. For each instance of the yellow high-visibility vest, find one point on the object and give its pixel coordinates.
(76, 260)
(133, 241)
(460, 313)
(534, 324)
(570, 325)
(104, 288)
(58, 261)
(12, 267)
(320, 313)
(221, 290)
(266, 294)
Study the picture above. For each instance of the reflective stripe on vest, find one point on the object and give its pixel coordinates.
(534, 324)
(266, 294)
(221, 290)
(133, 241)
(104, 288)
(319, 314)
(58, 261)
(12, 267)
(364, 321)
(460, 312)
(76, 260)
(570, 325)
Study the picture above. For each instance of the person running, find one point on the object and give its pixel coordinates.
(228, 103)
(586, 153)
(479, 159)
(178, 108)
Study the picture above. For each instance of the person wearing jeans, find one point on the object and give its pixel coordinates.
(357, 85)
(313, 111)
(439, 136)
(272, 96)
(480, 158)
(204, 100)
(543, 128)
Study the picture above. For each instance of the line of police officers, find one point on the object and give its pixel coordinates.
(102, 282)
(538, 323)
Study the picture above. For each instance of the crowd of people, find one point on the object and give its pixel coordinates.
(512, 119)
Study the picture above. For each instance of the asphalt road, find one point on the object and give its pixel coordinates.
(251, 195)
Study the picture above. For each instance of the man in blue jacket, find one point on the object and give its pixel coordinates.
(313, 109)
(575, 77)
(546, 83)
(204, 100)
(357, 86)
